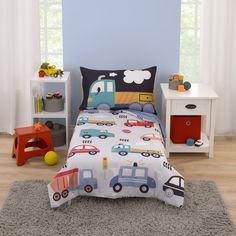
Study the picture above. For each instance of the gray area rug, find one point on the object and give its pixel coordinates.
(27, 212)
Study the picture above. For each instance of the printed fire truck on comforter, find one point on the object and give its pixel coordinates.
(117, 154)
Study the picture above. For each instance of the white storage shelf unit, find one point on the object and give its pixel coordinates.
(203, 98)
(37, 87)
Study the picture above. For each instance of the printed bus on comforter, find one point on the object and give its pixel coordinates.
(117, 154)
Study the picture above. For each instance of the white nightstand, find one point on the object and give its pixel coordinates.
(202, 100)
(37, 87)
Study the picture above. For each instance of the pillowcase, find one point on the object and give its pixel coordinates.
(118, 89)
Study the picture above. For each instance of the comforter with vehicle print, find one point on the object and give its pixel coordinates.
(116, 154)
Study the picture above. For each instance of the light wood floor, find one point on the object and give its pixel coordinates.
(221, 168)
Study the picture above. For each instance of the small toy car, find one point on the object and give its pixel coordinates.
(50, 70)
(198, 143)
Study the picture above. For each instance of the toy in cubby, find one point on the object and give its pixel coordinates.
(177, 83)
(58, 132)
(190, 142)
(54, 102)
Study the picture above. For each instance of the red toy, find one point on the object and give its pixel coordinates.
(42, 74)
(23, 139)
(185, 127)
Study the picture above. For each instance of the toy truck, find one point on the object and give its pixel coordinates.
(132, 176)
(71, 180)
(50, 70)
(123, 150)
(131, 123)
(105, 90)
(102, 134)
(84, 120)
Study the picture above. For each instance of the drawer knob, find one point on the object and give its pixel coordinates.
(191, 106)
(188, 123)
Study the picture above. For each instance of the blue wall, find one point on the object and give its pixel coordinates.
(121, 34)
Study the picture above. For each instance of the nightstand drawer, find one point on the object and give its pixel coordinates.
(190, 107)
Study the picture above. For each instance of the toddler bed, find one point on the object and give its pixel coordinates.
(117, 153)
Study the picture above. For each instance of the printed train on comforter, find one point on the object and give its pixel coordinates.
(117, 154)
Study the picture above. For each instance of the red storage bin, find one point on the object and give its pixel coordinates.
(184, 127)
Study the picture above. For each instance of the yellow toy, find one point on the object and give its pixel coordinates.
(50, 70)
(51, 158)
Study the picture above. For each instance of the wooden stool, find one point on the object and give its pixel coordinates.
(28, 137)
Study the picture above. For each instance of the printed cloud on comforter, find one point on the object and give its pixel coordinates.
(117, 154)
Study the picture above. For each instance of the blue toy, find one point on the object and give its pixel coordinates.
(190, 142)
